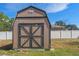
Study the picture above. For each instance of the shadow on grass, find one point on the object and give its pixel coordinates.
(6, 47)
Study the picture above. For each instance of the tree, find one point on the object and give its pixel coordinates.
(60, 23)
(11, 20)
(5, 22)
(71, 27)
(10, 23)
(3, 19)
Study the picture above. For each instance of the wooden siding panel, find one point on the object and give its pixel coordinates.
(28, 13)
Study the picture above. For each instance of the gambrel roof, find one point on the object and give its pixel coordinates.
(40, 11)
(32, 7)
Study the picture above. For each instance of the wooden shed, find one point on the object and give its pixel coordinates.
(31, 29)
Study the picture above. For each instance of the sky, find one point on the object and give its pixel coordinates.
(67, 12)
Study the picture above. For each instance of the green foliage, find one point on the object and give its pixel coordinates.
(66, 26)
(60, 23)
(5, 22)
(3, 17)
(71, 27)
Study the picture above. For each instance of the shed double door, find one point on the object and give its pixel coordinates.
(31, 35)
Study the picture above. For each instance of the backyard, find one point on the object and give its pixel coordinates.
(62, 47)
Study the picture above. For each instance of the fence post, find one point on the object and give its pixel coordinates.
(6, 35)
(60, 34)
(71, 34)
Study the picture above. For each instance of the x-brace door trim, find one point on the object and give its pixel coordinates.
(30, 35)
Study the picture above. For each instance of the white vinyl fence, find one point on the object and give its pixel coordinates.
(5, 35)
(54, 34)
(65, 34)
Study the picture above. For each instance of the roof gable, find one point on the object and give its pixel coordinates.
(31, 12)
(38, 13)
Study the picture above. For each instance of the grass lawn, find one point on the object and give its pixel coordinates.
(63, 47)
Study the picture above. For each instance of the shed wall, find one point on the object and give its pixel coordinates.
(29, 20)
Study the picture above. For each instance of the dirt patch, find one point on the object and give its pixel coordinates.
(5, 44)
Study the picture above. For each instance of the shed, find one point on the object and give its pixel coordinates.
(31, 29)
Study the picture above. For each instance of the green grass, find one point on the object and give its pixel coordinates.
(63, 47)
(56, 52)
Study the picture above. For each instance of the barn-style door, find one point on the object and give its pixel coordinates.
(31, 36)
